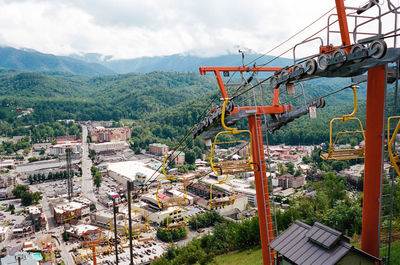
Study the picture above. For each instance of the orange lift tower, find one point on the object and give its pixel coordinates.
(346, 60)
(254, 119)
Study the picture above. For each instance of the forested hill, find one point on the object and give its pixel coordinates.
(99, 98)
(34, 61)
(163, 105)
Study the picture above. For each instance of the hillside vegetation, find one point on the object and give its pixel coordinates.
(161, 106)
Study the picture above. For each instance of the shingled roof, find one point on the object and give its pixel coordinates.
(316, 245)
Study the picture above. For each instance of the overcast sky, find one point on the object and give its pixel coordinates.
(132, 28)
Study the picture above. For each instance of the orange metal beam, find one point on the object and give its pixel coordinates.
(204, 70)
(344, 28)
(261, 181)
(374, 134)
(276, 109)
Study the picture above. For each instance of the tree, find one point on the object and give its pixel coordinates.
(97, 179)
(19, 190)
(306, 159)
(290, 168)
(11, 207)
(190, 157)
(27, 199)
(65, 236)
(42, 151)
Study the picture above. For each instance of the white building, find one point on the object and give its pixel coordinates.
(174, 213)
(136, 170)
(109, 146)
(59, 149)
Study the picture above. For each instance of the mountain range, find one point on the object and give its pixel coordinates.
(97, 64)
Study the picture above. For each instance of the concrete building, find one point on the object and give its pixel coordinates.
(102, 135)
(8, 163)
(78, 230)
(179, 158)
(37, 216)
(70, 210)
(8, 181)
(105, 217)
(38, 147)
(289, 181)
(202, 190)
(138, 171)
(173, 213)
(158, 149)
(60, 149)
(109, 146)
(23, 229)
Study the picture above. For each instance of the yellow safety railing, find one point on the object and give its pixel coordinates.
(394, 157)
(222, 201)
(347, 153)
(173, 181)
(231, 166)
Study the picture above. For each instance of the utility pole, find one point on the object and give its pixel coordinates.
(68, 152)
(115, 232)
(130, 188)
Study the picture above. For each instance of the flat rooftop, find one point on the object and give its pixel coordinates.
(130, 169)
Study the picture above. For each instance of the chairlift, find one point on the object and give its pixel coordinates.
(394, 157)
(229, 166)
(175, 183)
(221, 201)
(334, 153)
(141, 226)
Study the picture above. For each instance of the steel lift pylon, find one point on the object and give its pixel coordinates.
(375, 119)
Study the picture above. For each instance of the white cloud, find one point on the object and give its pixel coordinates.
(132, 28)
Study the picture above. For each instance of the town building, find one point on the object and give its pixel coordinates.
(289, 181)
(102, 135)
(104, 219)
(8, 181)
(77, 231)
(23, 229)
(158, 149)
(37, 216)
(109, 146)
(317, 245)
(178, 157)
(8, 163)
(70, 210)
(38, 146)
(203, 191)
(172, 213)
(60, 149)
(138, 171)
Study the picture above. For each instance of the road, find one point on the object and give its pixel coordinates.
(87, 182)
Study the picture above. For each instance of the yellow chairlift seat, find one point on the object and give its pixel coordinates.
(334, 153)
(140, 226)
(216, 200)
(394, 157)
(231, 166)
(171, 181)
(173, 222)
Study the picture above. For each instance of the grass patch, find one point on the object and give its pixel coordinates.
(244, 257)
(395, 253)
